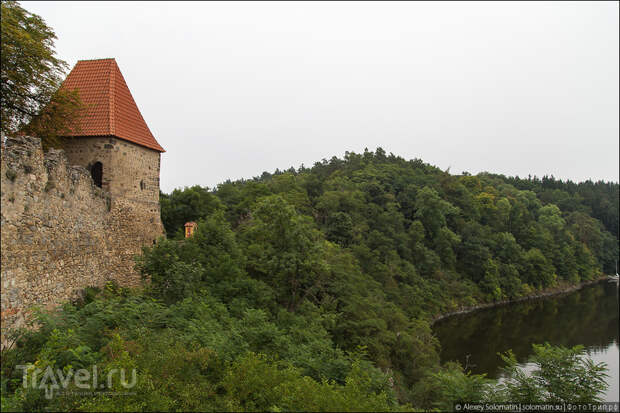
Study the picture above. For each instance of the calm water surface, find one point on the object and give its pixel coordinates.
(588, 317)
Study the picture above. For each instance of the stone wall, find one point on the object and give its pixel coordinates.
(60, 233)
(130, 174)
(130, 171)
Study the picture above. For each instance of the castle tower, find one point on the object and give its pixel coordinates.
(65, 228)
(115, 144)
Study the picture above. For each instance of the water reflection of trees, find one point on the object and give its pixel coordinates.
(588, 317)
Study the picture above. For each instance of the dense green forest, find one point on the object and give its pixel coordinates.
(315, 289)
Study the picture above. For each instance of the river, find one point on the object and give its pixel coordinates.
(588, 317)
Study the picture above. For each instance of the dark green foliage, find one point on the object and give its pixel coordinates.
(561, 375)
(452, 384)
(339, 228)
(315, 290)
(194, 356)
(31, 75)
(189, 204)
(383, 243)
(285, 250)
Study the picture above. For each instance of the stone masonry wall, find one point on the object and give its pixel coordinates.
(125, 166)
(130, 174)
(60, 233)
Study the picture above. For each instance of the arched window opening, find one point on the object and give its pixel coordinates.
(142, 186)
(96, 171)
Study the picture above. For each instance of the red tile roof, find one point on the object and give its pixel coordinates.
(110, 108)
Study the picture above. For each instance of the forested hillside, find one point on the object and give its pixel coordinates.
(389, 213)
(381, 244)
(314, 289)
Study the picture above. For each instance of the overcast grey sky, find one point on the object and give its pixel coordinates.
(233, 89)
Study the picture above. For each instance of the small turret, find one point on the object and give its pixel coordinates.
(190, 227)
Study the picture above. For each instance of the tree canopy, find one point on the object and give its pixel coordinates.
(311, 289)
(31, 75)
(315, 289)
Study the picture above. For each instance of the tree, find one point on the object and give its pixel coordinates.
(432, 210)
(188, 204)
(454, 384)
(539, 272)
(285, 250)
(445, 242)
(490, 283)
(209, 259)
(339, 228)
(31, 75)
(57, 119)
(561, 375)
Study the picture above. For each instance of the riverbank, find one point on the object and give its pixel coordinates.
(587, 317)
(563, 288)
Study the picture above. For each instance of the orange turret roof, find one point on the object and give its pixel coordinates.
(110, 108)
